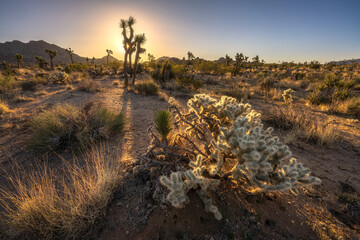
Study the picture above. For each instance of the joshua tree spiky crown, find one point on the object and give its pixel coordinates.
(190, 55)
(70, 52)
(52, 54)
(239, 148)
(109, 52)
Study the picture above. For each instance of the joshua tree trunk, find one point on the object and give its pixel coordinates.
(130, 69)
(125, 70)
(236, 68)
(18, 64)
(72, 62)
(51, 62)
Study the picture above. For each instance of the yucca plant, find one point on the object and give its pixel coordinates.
(163, 123)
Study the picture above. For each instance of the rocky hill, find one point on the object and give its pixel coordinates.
(37, 48)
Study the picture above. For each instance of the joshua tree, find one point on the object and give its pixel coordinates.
(109, 52)
(127, 42)
(139, 40)
(52, 54)
(41, 62)
(227, 60)
(239, 59)
(93, 60)
(256, 60)
(190, 56)
(70, 52)
(151, 57)
(19, 59)
(87, 60)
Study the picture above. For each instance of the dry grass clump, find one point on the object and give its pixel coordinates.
(147, 88)
(67, 125)
(302, 125)
(293, 84)
(233, 92)
(350, 107)
(88, 85)
(44, 205)
(4, 108)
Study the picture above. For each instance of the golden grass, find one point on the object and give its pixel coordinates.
(350, 106)
(46, 206)
(88, 85)
(303, 125)
(4, 108)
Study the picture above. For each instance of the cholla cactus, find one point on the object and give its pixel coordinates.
(240, 149)
(288, 96)
(59, 77)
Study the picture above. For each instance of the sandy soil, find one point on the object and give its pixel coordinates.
(317, 213)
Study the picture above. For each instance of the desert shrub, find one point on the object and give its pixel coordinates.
(180, 69)
(88, 85)
(266, 84)
(66, 125)
(115, 65)
(353, 108)
(76, 67)
(29, 85)
(4, 108)
(207, 67)
(299, 76)
(60, 78)
(161, 75)
(163, 124)
(6, 83)
(233, 92)
(189, 83)
(331, 89)
(236, 146)
(41, 204)
(288, 96)
(147, 88)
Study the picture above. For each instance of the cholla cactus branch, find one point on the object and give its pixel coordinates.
(288, 96)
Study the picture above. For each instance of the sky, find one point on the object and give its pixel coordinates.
(276, 30)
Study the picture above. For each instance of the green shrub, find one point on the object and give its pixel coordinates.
(354, 107)
(189, 83)
(6, 83)
(147, 88)
(76, 67)
(67, 125)
(330, 90)
(163, 123)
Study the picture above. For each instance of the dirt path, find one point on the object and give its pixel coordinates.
(139, 111)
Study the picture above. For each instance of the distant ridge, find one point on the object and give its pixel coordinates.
(347, 61)
(37, 48)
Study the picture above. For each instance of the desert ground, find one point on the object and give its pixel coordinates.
(324, 136)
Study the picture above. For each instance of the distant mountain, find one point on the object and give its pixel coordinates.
(172, 59)
(37, 48)
(348, 61)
